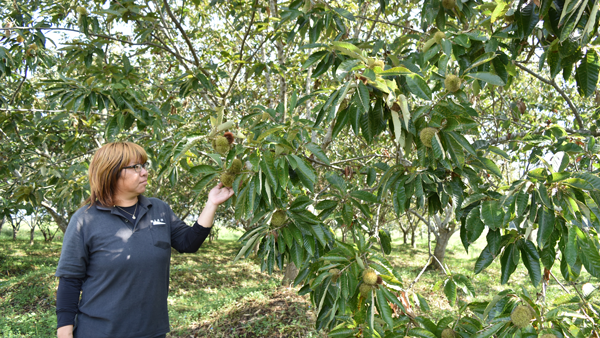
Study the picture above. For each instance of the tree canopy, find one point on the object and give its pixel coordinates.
(346, 115)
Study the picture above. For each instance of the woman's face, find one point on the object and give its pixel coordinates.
(132, 183)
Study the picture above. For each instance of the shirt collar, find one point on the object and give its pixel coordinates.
(142, 200)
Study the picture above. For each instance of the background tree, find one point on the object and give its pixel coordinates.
(436, 105)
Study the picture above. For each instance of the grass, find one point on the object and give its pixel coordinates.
(211, 296)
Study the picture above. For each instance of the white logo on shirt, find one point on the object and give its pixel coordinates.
(157, 221)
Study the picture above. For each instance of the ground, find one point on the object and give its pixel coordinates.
(211, 296)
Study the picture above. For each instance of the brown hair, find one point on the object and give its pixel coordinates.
(105, 170)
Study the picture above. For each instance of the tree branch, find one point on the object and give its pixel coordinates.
(241, 53)
(12, 100)
(183, 33)
(560, 91)
(108, 38)
(388, 23)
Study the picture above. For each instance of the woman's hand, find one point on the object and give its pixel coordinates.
(65, 331)
(219, 194)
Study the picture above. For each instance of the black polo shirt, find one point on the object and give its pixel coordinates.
(124, 267)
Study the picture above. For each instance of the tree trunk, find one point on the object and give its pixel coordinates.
(413, 242)
(405, 236)
(291, 272)
(14, 234)
(60, 220)
(2, 223)
(441, 244)
(31, 235)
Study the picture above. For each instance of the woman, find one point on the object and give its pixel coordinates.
(117, 251)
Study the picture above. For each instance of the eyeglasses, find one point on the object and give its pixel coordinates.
(138, 167)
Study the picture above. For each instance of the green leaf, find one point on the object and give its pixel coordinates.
(509, 261)
(342, 120)
(484, 58)
(501, 9)
(472, 199)
(363, 96)
(364, 195)
(112, 128)
(490, 78)
(589, 255)
(336, 181)
(202, 169)
(341, 333)
(526, 20)
(318, 152)
(546, 222)
(384, 309)
(591, 179)
(313, 58)
(450, 291)
(423, 303)
(463, 142)
(304, 168)
(204, 181)
(531, 260)
(474, 225)
(492, 214)
(386, 241)
(267, 167)
(491, 166)
(485, 259)
(587, 74)
(489, 332)
(543, 193)
(422, 333)
(417, 85)
(553, 61)
(348, 49)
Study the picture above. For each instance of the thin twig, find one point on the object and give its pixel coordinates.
(183, 33)
(388, 23)
(357, 158)
(559, 283)
(241, 53)
(420, 273)
(104, 37)
(560, 91)
(12, 100)
(321, 163)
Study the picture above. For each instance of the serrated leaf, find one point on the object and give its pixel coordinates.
(422, 333)
(363, 96)
(484, 260)
(546, 223)
(490, 78)
(531, 260)
(417, 85)
(492, 214)
(384, 309)
(364, 195)
(304, 168)
(491, 166)
(589, 255)
(463, 142)
(472, 199)
(587, 74)
(203, 169)
(508, 262)
(318, 152)
(386, 241)
(204, 181)
(450, 291)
